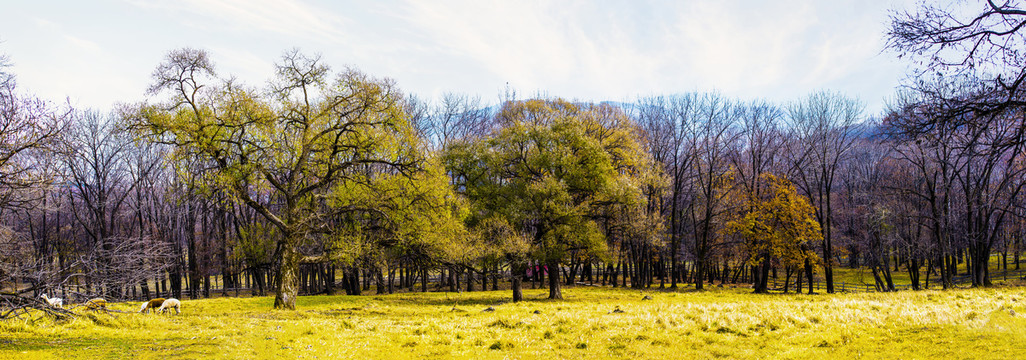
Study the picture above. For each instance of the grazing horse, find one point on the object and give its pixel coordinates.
(96, 304)
(150, 305)
(54, 302)
(169, 304)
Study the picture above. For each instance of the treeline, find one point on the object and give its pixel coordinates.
(324, 182)
(341, 181)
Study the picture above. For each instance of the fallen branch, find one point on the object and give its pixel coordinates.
(15, 303)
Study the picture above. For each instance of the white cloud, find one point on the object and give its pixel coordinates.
(590, 50)
(285, 17)
(534, 45)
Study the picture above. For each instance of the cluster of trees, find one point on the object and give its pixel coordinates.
(324, 179)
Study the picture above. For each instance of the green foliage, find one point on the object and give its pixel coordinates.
(331, 163)
(547, 174)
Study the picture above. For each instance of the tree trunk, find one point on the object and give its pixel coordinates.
(761, 276)
(808, 276)
(516, 275)
(554, 287)
(828, 250)
(379, 281)
(699, 273)
(287, 282)
(391, 278)
(495, 278)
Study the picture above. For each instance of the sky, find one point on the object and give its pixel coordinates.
(101, 52)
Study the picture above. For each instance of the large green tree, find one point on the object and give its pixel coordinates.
(314, 154)
(548, 172)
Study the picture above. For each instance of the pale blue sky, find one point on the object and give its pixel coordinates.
(100, 52)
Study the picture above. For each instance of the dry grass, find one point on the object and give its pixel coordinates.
(728, 323)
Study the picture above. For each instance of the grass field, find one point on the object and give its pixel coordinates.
(721, 323)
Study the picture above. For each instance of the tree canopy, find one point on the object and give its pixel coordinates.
(314, 155)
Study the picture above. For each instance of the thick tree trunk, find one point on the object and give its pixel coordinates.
(518, 294)
(762, 277)
(354, 278)
(379, 281)
(423, 280)
(980, 263)
(516, 277)
(329, 279)
(287, 281)
(554, 286)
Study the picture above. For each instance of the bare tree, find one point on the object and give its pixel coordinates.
(95, 155)
(458, 117)
(711, 136)
(823, 128)
(759, 153)
(26, 124)
(986, 44)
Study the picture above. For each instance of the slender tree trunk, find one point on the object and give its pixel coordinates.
(808, 277)
(828, 249)
(699, 273)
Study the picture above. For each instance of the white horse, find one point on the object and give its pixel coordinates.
(169, 304)
(54, 302)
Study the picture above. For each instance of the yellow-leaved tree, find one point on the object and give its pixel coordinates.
(776, 228)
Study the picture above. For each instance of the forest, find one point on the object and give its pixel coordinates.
(329, 180)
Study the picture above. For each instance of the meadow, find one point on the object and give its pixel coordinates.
(591, 323)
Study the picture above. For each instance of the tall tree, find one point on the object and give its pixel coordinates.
(776, 227)
(546, 172)
(710, 136)
(823, 128)
(292, 154)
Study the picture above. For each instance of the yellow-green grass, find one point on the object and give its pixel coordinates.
(864, 276)
(726, 323)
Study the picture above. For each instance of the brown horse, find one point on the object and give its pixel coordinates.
(151, 305)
